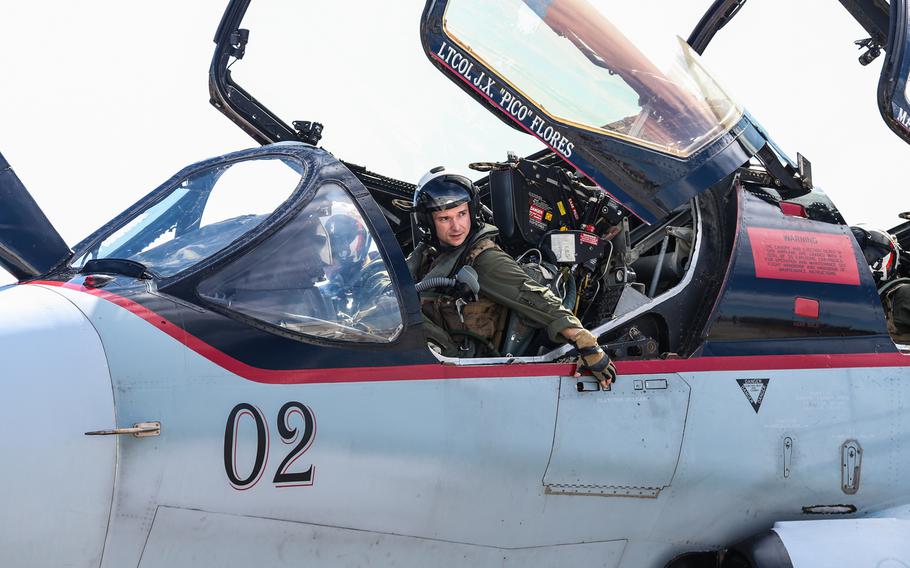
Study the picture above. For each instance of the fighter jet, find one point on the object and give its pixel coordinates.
(235, 370)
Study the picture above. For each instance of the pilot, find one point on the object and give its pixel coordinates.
(883, 253)
(270, 294)
(358, 282)
(347, 274)
(447, 209)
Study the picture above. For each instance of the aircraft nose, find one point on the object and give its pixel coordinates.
(55, 387)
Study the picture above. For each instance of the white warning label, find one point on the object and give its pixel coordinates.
(563, 247)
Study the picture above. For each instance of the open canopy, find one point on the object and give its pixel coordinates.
(639, 115)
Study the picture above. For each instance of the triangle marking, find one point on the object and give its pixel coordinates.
(754, 389)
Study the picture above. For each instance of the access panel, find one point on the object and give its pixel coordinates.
(622, 442)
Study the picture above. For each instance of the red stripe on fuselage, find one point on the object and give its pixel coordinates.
(444, 371)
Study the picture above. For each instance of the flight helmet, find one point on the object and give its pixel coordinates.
(439, 190)
(349, 240)
(880, 250)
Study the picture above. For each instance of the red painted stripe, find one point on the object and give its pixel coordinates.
(430, 371)
(338, 375)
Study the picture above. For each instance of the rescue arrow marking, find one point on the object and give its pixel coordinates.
(754, 389)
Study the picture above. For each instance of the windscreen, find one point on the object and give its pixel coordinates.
(572, 60)
(199, 217)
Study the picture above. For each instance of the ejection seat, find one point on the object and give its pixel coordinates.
(509, 203)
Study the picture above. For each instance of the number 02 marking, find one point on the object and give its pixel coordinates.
(289, 434)
(230, 446)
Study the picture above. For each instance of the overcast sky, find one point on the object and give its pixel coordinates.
(104, 100)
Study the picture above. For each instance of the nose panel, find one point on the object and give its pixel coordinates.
(55, 387)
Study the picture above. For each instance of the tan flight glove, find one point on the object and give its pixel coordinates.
(593, 358)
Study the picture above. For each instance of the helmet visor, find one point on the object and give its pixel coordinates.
(440, 194)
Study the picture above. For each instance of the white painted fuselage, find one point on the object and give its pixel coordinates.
(502, 469)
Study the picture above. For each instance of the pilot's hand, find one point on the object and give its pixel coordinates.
(593, 358)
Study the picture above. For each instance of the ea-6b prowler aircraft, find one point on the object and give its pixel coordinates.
(258, 390)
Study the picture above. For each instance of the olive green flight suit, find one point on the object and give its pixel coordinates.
(504, 285)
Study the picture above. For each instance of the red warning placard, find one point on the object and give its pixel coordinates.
(803, 255)
(588, 239)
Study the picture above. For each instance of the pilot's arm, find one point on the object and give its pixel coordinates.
(504, 281)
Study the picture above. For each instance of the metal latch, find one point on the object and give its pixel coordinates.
(851, 463)
(650, 384)
(140, 430)
(788, 455)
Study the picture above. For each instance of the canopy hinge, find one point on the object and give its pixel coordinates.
(239, 39)
(873, 50)
(789, 181)
(309, 132)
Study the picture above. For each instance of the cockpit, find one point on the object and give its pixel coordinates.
(619, 193)
(607, 216)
